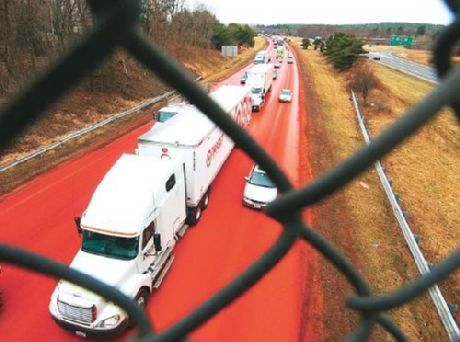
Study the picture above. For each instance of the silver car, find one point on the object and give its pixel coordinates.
(285, 95)
(259, 189)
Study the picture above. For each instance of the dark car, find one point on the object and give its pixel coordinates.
(244, 78)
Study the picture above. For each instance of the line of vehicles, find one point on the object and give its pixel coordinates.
(141, 208)
(147, 200)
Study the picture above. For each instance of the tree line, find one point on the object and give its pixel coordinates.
(361, 30)
(34, 31)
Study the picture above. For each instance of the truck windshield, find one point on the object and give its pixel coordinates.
(261, 179)
(164, 116)
(110, 246)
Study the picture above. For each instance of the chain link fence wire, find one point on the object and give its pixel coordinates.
(118, 26)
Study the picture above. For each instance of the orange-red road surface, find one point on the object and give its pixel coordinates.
(229, 237)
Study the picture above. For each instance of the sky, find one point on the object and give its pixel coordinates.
(327, 11)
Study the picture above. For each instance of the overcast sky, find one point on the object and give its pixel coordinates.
(327, 11)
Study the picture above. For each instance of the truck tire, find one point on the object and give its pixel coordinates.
(205, 201)
(194, 215)
(141, 299)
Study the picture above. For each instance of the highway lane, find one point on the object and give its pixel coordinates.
(412, 68)
(38, 217)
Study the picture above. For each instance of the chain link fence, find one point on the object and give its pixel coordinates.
(118, 27)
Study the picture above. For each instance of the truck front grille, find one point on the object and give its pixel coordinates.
(75, 313)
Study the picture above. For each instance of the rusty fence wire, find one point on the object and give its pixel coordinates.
(118, 26)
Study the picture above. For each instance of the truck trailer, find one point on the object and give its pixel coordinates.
(259, 80)
(143, 205)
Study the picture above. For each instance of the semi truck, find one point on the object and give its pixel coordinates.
(259, 80)
(139, 210)
(262, 57)
(167, 112)
(280, 52)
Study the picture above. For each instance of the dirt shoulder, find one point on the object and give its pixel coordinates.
(358, 219)
(82, 108)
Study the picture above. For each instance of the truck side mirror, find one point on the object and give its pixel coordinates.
(157, 242)
(78, 224)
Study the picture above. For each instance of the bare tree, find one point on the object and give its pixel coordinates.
(70, 19)
(364, 81)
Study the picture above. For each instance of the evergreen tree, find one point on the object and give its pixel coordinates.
(421, 30)
(342, 50)
(316, 43)
(305, 43)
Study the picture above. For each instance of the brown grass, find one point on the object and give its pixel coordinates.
(361, 211)
(425, 173)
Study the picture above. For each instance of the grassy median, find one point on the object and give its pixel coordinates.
(359, 219)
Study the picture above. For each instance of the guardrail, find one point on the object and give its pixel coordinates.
(424, 268)
(84, 131)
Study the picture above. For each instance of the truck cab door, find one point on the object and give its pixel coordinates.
(147, 254)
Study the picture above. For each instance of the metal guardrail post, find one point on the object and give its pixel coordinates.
(438, 299)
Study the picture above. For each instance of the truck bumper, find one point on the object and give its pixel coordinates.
(91, 332)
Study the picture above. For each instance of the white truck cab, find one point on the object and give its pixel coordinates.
(259, 80)
(167, 112)
(128, 232)
(257, 97)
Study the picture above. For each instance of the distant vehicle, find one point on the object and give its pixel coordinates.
(280, 51)
(275, 74)
(259, 80)
(376, 58)
(285, 95)
(259, 189)
(277, 65)
(244, 78)
(262, 57)
(290, 59)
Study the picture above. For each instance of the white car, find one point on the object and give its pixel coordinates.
(290, 59)
(285, 96)
(277, 65)
(259, 189)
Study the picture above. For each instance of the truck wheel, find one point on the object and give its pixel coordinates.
(205, 200)
(194, 215)
(141, 299)
(197, 214)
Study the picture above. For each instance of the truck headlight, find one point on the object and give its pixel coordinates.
(109, 322)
